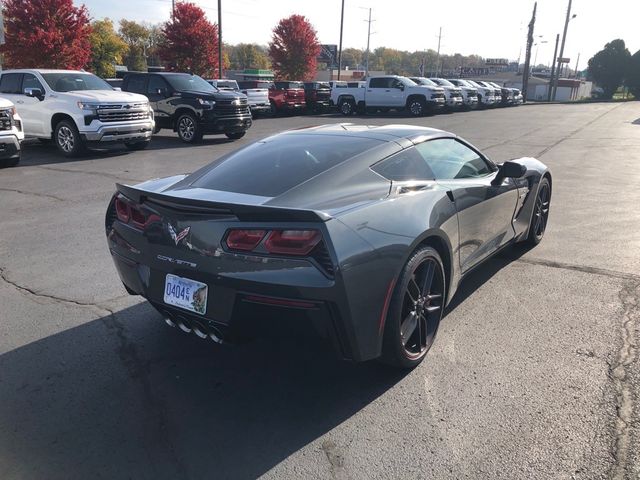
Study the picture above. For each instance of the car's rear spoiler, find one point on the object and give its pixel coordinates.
(251, 213)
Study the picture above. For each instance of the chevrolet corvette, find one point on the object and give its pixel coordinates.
(361, 233)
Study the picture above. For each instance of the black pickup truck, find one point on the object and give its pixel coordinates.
(190, 106)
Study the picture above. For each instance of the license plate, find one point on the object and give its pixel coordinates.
(185, 293)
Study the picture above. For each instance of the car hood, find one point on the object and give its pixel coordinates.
(429, 88)
(220, 95)
(112, 96)
(4, 103)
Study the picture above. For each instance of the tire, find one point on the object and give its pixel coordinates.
(235, 135)
(68, 139)
(416, 107)
(347, 107)
(415, 310)
(189, 131)
(540, 216)
(134, 146)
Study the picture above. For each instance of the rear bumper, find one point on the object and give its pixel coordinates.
(9, 147)
(120, 132)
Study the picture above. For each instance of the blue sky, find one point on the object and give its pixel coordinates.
(491, 28)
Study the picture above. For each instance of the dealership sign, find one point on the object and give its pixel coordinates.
(503, 62)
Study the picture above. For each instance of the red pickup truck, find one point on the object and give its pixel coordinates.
(286, 96)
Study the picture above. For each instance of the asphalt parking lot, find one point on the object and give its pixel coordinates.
(534, 373)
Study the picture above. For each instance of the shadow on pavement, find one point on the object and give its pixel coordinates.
(137, 399)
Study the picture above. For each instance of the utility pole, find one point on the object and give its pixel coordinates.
(577, 61)
(553, 68)
(438, 56)
(564, 38)
(219, 38)
(340, 46)
(527, 57)
(173, 8)
(368, 39)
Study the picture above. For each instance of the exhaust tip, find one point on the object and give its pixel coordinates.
(184, 325)
(199, 329)
(215, 335)
(169, 322)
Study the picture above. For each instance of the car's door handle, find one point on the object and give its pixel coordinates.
(387, 90)
(369, 90)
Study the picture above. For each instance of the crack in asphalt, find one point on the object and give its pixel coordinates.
(571, 134)
(35, 194)
(619, 374)
(137, 369)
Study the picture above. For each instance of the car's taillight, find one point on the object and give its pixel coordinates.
(245, 240)
(292, 242)
(122, 210)
(130, 213)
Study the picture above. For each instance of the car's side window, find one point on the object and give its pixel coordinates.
(137, 84)
(156, 83)
(10, 83)
(30, 81)
(450, 159)
(380, 82)
(404, 166)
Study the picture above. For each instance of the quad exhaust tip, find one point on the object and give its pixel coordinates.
(199, 328)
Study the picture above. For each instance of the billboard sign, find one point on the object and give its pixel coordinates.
(497, 62)
(328, 54)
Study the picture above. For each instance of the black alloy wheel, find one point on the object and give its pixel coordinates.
(189, 131)
(415, 310)
(540, 216)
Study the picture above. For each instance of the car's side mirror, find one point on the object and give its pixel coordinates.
(34, 93)
(401, 87)
(511, 170)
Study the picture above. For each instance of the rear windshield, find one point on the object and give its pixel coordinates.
(270, 168)
(248, 84)
(289, 85)
(71, 82)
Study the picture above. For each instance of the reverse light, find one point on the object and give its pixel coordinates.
(245, 240)
(292, 242)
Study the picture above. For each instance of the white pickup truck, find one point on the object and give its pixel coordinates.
(388, 92)
(76, 109)
(11, 134)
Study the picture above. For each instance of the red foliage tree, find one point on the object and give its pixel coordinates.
(190, 41)
(46, 34)
(294, 48)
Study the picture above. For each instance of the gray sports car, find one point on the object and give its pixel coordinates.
(362, 233)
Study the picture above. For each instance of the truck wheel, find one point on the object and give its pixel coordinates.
(234, 135)
(416, 107)
(137, 145)
(347, 107)
(188, 129)
(68, 139)
(10, 162)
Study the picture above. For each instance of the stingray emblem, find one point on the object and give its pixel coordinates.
(178, 236)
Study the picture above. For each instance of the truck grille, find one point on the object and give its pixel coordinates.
(5, 120)
(232, 107)
(437, 95)
(456, 94)
(122, 112)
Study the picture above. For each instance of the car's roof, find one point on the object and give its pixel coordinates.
(41, 70)
(411, 133)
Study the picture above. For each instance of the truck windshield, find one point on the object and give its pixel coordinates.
(425, 81)
(190, 83)
(408, 82)
(443, 82)
(71, 82)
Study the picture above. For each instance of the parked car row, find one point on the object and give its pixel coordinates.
(77, 110)
(420, 95)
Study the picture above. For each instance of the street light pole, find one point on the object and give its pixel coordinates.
(553, 68)
(368, 39)
(438, 56)
(564, 38)
(340, 46)
(219, 38)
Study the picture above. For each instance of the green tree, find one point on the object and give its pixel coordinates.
(633, 75)
(136, 36)
(107, 48)
(609, 66)
(248, 55)
(352, 58)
